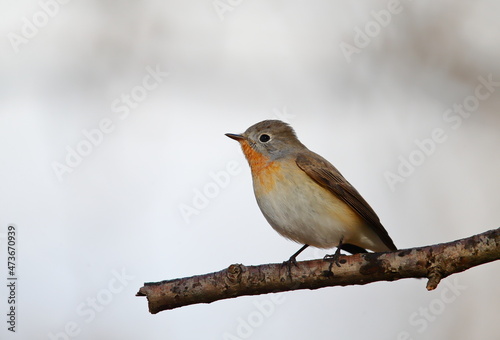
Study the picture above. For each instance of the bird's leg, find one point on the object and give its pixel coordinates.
(293, 258)
(335, 257)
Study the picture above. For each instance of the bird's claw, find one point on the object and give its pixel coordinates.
(335, 258)
(289, 262)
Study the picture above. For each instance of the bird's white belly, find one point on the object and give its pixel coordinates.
(301, 210)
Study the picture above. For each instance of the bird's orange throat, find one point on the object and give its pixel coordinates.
(264, 171)
(257, 161)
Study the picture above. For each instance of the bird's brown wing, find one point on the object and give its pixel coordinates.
(326, 175)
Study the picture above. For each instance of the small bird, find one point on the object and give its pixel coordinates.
(304, 197)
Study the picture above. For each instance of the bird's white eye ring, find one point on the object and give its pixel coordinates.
(264, 138)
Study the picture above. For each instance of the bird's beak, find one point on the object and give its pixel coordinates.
(235, 136)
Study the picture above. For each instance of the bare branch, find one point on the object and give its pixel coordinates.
(434, 262)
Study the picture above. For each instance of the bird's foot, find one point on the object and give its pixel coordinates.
(291, 261)
(335, 258)
(293, 258)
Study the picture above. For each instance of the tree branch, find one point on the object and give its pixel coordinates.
(433, 262)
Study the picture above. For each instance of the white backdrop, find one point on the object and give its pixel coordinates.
(112, 124)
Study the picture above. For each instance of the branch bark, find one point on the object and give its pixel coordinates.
(433, 262)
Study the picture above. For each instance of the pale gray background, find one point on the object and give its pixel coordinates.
(119, 209)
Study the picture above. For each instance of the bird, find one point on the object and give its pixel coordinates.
(304, 197)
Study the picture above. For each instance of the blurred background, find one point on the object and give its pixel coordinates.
(115, 169)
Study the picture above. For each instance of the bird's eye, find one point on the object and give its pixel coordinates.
(264, 138)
